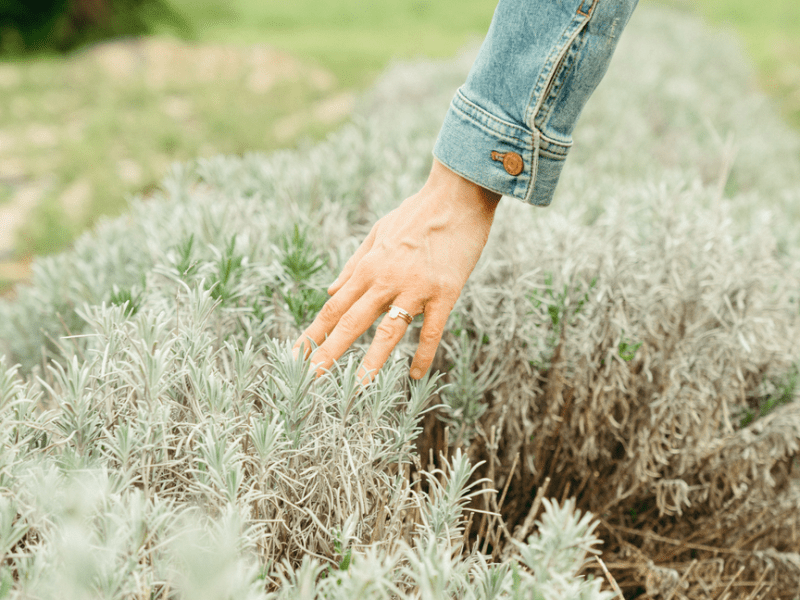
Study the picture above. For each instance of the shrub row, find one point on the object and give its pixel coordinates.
(631, 352)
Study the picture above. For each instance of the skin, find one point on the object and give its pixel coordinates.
(417, 257)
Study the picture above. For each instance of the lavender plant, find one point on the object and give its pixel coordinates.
(159, 440)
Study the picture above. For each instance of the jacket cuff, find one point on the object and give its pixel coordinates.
(480, 147)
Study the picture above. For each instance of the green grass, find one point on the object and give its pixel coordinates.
(353, 38)
(95, 139)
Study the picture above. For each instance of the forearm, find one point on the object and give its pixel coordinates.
(539, 64)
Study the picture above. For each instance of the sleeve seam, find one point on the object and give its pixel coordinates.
(490, 120)
(497, 131)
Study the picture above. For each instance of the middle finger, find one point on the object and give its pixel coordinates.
(350, 326)
(330, 315)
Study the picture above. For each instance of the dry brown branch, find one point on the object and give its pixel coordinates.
(681, 580)
(523, 531)
(610, 577)
(660, 538)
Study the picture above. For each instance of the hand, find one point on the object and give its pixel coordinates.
(417, 257)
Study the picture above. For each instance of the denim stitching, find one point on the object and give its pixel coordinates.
(499, 135)
(552, 155)
(517, 185)
(554, 149)
(554, 142)
(503, 127)
(571, 58)
(519, 138)
(550, 66)
(571, 33)
(542, 82)
(486, 120)
(591, 8)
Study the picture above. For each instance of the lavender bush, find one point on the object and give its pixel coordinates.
(630, 352)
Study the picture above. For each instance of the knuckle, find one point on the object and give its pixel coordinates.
(366, 269)
(449, 287)
(384, 290)
(440, 287)
(330, 311)
(429, 338)
(348, 322)
(350, 264)
(386, 330)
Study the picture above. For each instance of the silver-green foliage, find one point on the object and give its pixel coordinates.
(166, 442)
(430, 568)
(225, 473)
(162, 456)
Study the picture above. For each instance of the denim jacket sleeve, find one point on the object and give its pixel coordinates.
(509, 127)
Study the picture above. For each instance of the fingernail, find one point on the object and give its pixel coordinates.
(416, 373)
(335, 281)
(295, 353)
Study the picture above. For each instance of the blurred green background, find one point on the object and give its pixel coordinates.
(98, 97)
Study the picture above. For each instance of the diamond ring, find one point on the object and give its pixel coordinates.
(396, 311)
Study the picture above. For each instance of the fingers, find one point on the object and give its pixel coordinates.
(352, 263)
(329, 317)
(350, 326)
(436, 314)
(389, 332)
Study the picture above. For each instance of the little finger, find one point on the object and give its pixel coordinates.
(436, 314)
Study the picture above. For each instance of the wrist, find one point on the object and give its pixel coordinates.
(462, 190)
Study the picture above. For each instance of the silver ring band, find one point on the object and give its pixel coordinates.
(396, 311)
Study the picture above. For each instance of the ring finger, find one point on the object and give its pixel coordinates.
(389, 332)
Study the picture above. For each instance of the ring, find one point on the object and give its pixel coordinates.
(396, 311)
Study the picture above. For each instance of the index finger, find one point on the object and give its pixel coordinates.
(332, 311)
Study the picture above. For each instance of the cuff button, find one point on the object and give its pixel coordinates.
(512, 162)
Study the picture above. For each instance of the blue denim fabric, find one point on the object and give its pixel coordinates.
(539, 64)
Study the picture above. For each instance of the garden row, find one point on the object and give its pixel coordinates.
(630, 352)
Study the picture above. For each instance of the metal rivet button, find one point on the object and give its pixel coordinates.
(512, 162)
